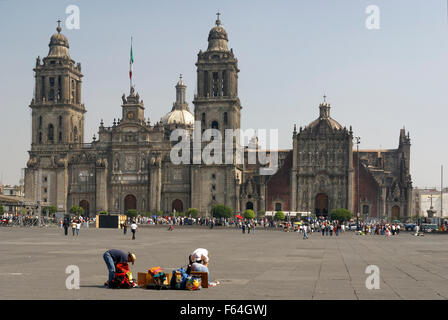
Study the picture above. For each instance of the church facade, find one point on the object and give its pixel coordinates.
(128, 166)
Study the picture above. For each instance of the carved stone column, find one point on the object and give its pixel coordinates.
(101, 185)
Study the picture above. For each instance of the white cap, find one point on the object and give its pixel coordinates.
(199, 253)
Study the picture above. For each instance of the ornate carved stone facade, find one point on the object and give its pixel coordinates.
(128, 166)
(322, 170)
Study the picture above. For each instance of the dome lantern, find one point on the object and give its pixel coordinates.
(217, 37)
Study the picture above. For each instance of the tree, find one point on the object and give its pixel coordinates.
(192, 212)
(279, 215)
(2, 210)
(77, 210)
(132, 213)
(249, 214)
(221, 211)
(341, 215)
(49, 210)
(260, 213)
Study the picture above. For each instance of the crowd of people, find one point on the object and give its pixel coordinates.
(74, 223)
(323, 226)
(330, 228)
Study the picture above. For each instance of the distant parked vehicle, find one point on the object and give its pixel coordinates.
(4, 221)
(430, 228)
(410, 226)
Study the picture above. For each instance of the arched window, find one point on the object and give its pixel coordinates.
(59, 97)
(365, 209)
(73, 91)
(215, 84)
(203, 118)
(40, 122)
(224, 83)
(60, 122)
(225, 118)
(75, 134)
(40, 137)
(50, 136)
(278, 206)
(215, 125)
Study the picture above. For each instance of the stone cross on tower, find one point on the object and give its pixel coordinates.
(218, 22)
(59, 29)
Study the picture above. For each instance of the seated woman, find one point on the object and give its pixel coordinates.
(198, 261)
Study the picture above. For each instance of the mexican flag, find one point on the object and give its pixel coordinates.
(131, 61)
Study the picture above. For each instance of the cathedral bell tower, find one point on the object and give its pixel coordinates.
(216, 102)
(216, 177)
(57, 111)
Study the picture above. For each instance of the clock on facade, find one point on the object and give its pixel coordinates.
(130, 115)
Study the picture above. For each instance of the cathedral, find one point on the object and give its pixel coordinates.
(128, 166)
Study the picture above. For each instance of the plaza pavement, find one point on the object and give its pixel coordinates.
(269, 264)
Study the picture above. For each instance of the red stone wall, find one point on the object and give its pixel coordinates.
(368, 189)
(278, 186)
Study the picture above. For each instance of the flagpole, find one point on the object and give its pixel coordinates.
(130, 69)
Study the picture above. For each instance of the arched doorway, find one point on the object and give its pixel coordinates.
(85, 205)
(249, 206)
(278, 206)
(395, 212)
(130, 203)
(177, 205)
(321, 206)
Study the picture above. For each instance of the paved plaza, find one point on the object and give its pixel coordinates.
(269, 264)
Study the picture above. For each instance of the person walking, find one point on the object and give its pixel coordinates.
(133, 229)
(66, 224)
(73, 227)
(125, 227)
(305, 232)
(78, 227)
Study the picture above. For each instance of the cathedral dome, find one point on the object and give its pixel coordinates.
(217, 38)
(180, 113)
(58, 45)
(182, 117)
(324, 117)
(333, 124)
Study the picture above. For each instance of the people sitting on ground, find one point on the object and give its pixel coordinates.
(114, 256)
(198, 261)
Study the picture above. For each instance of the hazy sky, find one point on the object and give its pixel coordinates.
(289, 52)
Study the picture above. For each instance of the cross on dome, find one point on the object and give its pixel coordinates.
(59, 29)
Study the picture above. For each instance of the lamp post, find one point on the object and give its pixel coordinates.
(358, 141)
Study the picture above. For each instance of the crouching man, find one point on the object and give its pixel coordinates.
(114, 256)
